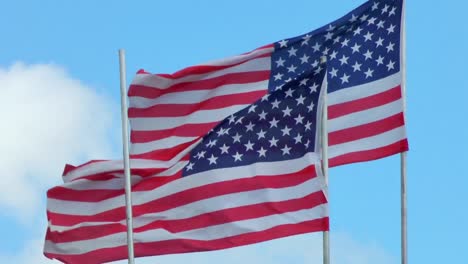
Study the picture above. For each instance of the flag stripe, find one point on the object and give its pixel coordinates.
(186, 130)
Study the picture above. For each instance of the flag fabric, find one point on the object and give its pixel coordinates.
(254, 177)
(224, 154)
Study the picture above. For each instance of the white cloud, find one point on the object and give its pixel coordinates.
(47, 119)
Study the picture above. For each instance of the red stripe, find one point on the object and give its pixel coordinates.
(177, 110)
(186, 245)
(201, 221)
(342, 109)
(207, 84)
(188, 196)
(366, 130)
(187, 130)
(368, 155)
(164, 154)
(204, 69)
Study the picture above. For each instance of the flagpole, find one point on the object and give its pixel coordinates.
(324, 138)
(403, 155)
(126, 157)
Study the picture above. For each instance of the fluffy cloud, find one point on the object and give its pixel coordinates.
(47, 119)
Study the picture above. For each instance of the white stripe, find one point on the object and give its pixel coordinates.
(117, 165)
(368, 143)
(197, 96)
(365, 117)
(173, 170)
(203, 234)
(217, 203)
(261, 168)
(364, 90)
(151, 80)
(199, 117)
(111, 184)
(165, 143)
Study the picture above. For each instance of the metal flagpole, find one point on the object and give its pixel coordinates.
(324, 137)
(403, 155)
(126, 158)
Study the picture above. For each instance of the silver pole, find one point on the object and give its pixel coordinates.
(324, 137)
(126, 157)
(404, 230)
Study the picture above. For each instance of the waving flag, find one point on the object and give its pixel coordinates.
(224, 153)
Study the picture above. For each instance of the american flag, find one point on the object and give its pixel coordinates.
(225, 153)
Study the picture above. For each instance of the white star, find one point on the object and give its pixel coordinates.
(292, 51)
(289, 93)
(299, 119)
(280, 62)
(328, 36)
(368, 36)
(220, 132)
(306, 39)
(316, 47)
(237, 138)
(262, 115)
(262, 152)
(292, 68)
(261, 134)
(201, 154)
(298, 139)
(304, 59)
(232, 119)
(371, 21)
(391, 65)
(278, 76)
(300, 100)
(379, 60)
(357, 67)
(355, 48)
(357, 31)
(380, 24)
(239, 121)
(369, 73)
(334, 73)
(287, 111)
(353, 18)
(307, 144)
(385, 9)
(364, 17)
(390, 47)
(379, 42)
(285, 130)
(286, 150)
(283, 43)
(368, 54)
(330, 27)
(344, 43)
(375, 6)
(311, 107)
(274, 123)
(333, 55)
(252, 108)
(249, 127)
(325, 51)
(315, 64)
(237, 157)
(307, 125)
(211, 143)
(318, 70)
(391, 29)
(273, 142)
(344, 78)
(303, 82)
(265, 97)
(190, 166)
(275, 104)
(249, 146)
(344, 60)
(212, 159)
(313, 88)
(392, 12)
(337, 39)
(224, 149)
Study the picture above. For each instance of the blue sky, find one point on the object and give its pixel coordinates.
(59, 86)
